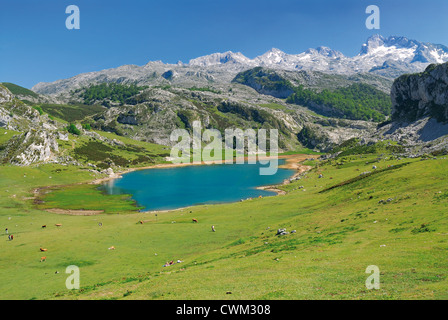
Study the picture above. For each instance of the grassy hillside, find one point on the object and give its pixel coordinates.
(71, 113)
(356, 102)
(349, 98)
(5, 135)
(394, 218)
(18, 90)
(125, 153)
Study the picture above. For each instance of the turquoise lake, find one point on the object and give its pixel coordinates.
(178, 187)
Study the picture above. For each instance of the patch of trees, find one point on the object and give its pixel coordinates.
(355, 102)
(105, 92)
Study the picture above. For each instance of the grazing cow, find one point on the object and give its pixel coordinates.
(141, 222)
(58, 225)
(112, 248)
(43, 250)
(42, 259)
(44, 226)
(195, 220)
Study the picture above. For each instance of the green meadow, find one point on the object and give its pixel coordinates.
(353, 216)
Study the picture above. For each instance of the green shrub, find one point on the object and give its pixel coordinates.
(39, 109)
(73, 130)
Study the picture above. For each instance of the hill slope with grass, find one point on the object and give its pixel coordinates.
(346, 216)
(367, 204)
(27, 95)
(355, 98)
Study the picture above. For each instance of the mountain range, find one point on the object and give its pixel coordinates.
(318, 99)
(387, 57)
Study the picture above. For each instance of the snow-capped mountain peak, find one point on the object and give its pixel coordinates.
(400, 54)
(220, 58)
(377, 41)
(272, 57)
(325, 51)
(389, 57)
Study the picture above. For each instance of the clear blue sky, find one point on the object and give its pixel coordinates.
(35, 45)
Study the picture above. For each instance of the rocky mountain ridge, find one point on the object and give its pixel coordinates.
(387, 57)
(424, 94)
(231, 91)
(419, 112)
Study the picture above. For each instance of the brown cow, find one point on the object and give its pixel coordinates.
(43, 250)
(43, 259)
(195, 220)
(44, 226)
(58, 225)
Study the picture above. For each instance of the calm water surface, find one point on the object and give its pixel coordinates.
(172, 188)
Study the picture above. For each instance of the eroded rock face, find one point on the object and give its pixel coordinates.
(326, 134)
(38, 143)
(35, 146)
(265, 81)
(5, 95)
(5, 117)
(421, 95)
(129, 118)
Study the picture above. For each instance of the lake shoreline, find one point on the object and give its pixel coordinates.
(292, 162)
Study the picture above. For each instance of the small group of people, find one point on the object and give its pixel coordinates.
(171, 263)
(10, 236)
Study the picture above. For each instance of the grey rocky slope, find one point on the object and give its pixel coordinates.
(37, 138)
(29, 96)
(424, 94)
(388, 57)
(309, 79)
(420, 111)
(34, 137)
(154, 113)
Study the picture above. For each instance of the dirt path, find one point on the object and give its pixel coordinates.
(76, 212)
